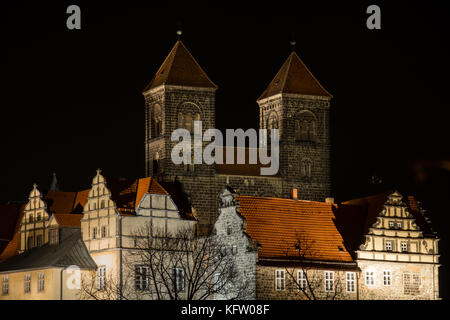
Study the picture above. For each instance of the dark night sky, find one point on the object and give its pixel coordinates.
(71, 100)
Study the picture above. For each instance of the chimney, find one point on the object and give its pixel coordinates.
(329, 200)
(294, 194)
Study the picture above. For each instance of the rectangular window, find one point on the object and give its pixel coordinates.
(101, 273)
(301, 280)
(234, 250)
(38, 217)
(279, 280)
(30, 242)
(102, 204)
(350, 278)
(178, 279)
(399, 225)
(27, 283)
(41, 281)
(387, 278)
(5, 285)
(404, 247)
(141, 277)
(30, 218)
(217, 285)
(411, 283)
(329, 281)
(388, 245)
(391, 224)
(54, 238)
(103, 231)
(370, 278)
(39, 240)
(94, 233)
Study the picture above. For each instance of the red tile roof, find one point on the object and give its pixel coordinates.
(278, 224)
(180, 68)
(294, 77)
(245, 169)
(68, 220)
(127, 193)
(12, 248)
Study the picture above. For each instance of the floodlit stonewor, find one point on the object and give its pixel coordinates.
(221, 230)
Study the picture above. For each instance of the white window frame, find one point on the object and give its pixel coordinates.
(329, 281)
(387, 278)
(302, 282)
(369, 278)
(5, 285)
(350, 282)
(280, 280)
(27, 283)
(41, 281)
(388, 245)
(404, 247)
(391, 224)
(141, 277)
(101, 275)
(398, 225)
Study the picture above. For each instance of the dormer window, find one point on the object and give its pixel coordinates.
(54, 236)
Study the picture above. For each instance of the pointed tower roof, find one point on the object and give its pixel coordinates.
(294, 77)
(180, 68)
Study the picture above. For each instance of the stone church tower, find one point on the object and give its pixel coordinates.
(294, 102)
(179, 93)
(297, 105)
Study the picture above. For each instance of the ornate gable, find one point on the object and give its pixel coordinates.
(395, 235)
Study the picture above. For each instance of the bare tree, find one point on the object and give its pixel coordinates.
(304, 278)
(178, 266)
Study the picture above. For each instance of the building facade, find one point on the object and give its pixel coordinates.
(280, 236)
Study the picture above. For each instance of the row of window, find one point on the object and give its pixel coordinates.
(389, 246)
(395, 225)
(94, 205)
(302, 281)
(27, 283)
(411, 281)
(31, 218)
(31, 244)
(95, 234)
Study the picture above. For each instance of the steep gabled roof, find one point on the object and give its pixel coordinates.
(278, 224)
(70, 251)
(180, 68)
(294, 77)
(68, 220)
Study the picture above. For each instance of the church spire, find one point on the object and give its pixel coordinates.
(294, 77)
(54, 184)
(180, 68)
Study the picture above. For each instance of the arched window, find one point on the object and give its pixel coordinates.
(305, 126)
(306, 168)
(157, 121)
(188, 122)
(180, 120)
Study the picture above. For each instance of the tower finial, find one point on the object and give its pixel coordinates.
(99, 171)
(293, 42)
(54, 185)
(179, 33)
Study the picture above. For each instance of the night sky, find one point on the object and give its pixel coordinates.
(71, 100)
